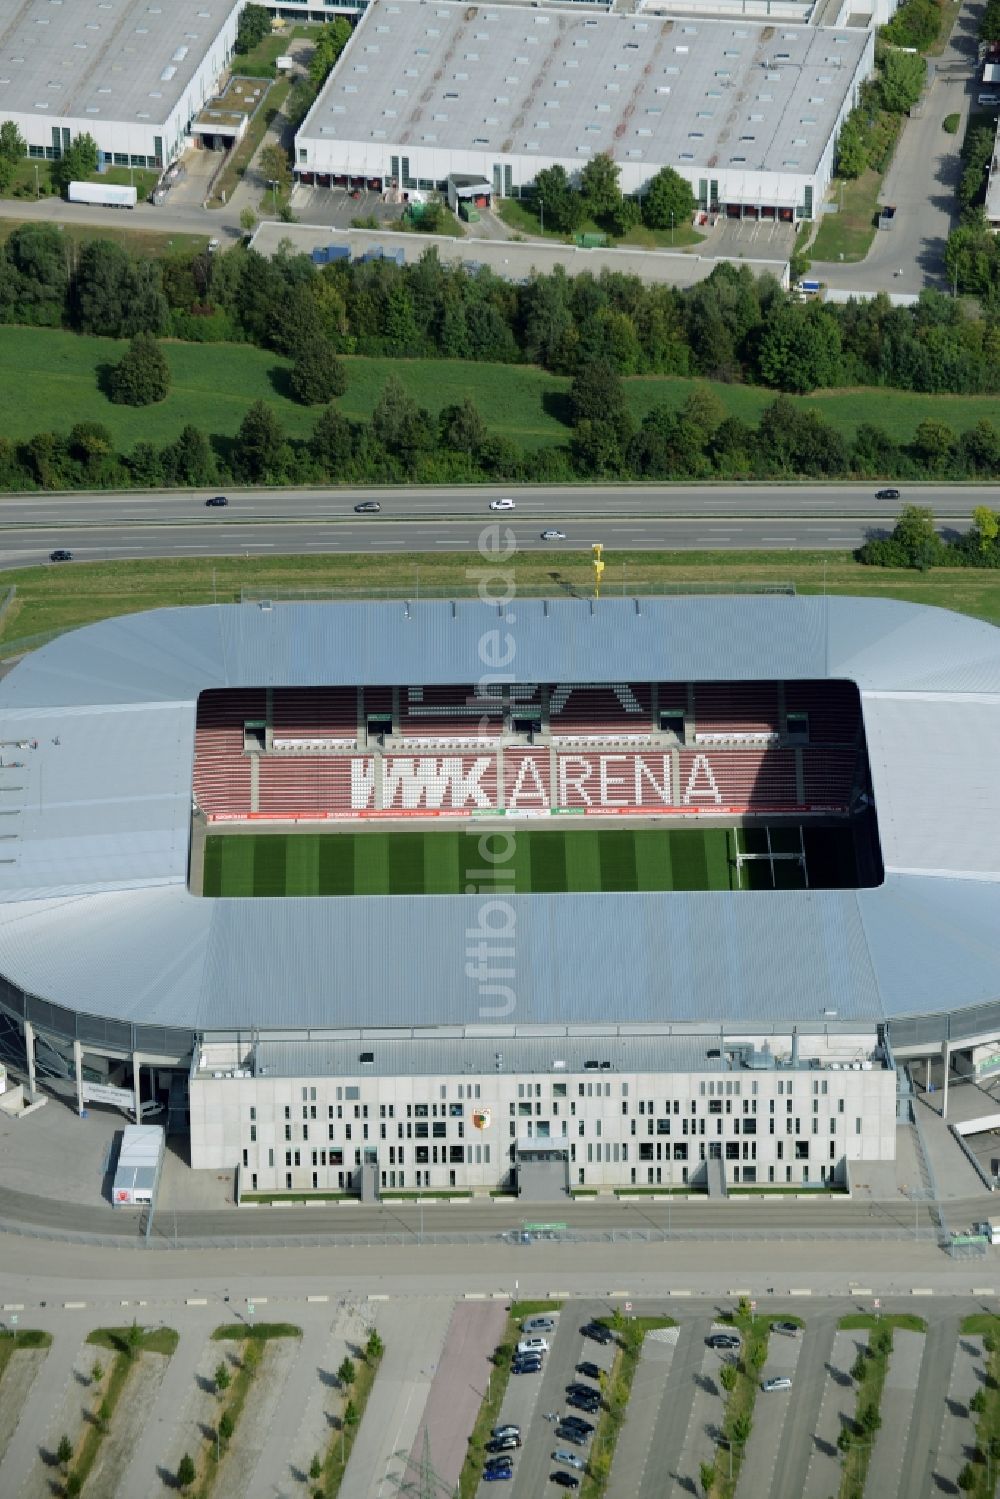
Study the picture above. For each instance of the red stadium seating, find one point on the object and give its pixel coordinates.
(738, 778)
(833, 707)
(449, 713)
(601, 710)
(735, 709)
(314, 713)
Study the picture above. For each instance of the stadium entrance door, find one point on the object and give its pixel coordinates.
(542, 1171)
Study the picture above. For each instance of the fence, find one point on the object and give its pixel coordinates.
(581, 587)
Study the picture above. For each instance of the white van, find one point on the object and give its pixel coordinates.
(533, 1345)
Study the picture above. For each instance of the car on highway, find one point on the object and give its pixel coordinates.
(509, 1429)
(60, 555)
(367, 507)
(553, 535)
(887, 494)
(591, 1370)
(572, 1434)
(217, 499)
(569, 1458)
(505, 504)
(790, 1329)
(775, 1383)
(565, 1480)
(723, 1340)
(597, 1332)
(509, 1442)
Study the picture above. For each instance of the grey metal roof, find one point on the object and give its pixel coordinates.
(95, 912)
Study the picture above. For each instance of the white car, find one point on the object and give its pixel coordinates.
(506, 504)
(778, 1382)
(569, 1458)
(533, 1345)
(553, 535)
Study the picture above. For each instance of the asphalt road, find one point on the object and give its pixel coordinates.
(99, 527)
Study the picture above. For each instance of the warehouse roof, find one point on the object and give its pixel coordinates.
(95, 787)
(103, 59)
(520, 81)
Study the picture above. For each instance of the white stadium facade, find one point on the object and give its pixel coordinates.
(556, 1041)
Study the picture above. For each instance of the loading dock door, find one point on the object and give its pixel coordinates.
(542, 1174)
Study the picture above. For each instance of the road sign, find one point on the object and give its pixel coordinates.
(753, 1306)
(250, 1308)
(628, 1306)
(877, 1303)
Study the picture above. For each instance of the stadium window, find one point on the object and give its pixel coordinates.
(624, 1090)
(246, 1159)
(840, 1105)
(288, 1181)
(329, 1111)
(558, 1090)
(815, 1126)
(439, 1129)
(714, 1105)
(288, 1131)
(788, 1105)
(305, 1110)
(781, 1150)
(288, 1111)
(253, 1181)
(253, 1114)
(732, 1150)
(797, 727)
(305, 1095)
(270, 1157)
(825, 1087)
(253, 1133)
(833, 1150)
(750, 1126)
(672, 722)
(347, 1131)
(857, 1126)
(802, 1150)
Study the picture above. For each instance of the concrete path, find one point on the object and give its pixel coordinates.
(461, 1381)
(649, 1391)
(757, 1476)
(837, 1406)
(34, 1428)
(703, 1428)
(414, 1334)
(958, 1429)
(141, 1477)
(675, 1409)
(15, 1387)
(899, 1395)
(920, 1454)
(793, 1458)
(281, 1465)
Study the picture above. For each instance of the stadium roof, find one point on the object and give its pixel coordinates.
(509, 79)
(95, 913)
(120, 60)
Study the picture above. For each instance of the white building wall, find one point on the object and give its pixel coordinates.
(653, 1129)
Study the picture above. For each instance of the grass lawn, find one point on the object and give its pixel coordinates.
(49, 381)
(847, 234)
(110, 1389)
(56, 599)
(519, 214)
(142, 243)
(521, 1309)
(23, 183)
(341, 1442)
(28, 1337)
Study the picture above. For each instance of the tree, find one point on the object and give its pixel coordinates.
(104, 1413)
(596, 394)
(869, 1419)
(78, 162)
(226, 1426)
(64, 1452)
(185, 1472)
(73, 1485)
(273, 163)
(463, 428)
(351, 1416)
(12, 149)
(728, 1377)
(758, 1355)
(248, 220)
(97, 1372)
(398, 424)
(317, 375)
(34, 279)
(142, 375)
(258, 447)
(933, 442)
(188, 462)
(330, 42)
(315, 1467)
(599, 187)
(977, 1402)
(987, 523)
(668, 200)
(562, 207)
(901, 80)
(623, 218)
(332, 442)
(222, 1377)
(254, 26)
(116, 296)
(800, 348)
(967, 1479)
(741, 1428)
(133, 1339)
(852, 147)
(914, 533)
(347, 1373)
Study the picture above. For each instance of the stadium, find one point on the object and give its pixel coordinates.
(557, 894)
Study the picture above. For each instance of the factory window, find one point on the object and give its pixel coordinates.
(288, 1131)
(802, 1150)
(253, 1113)
(270, 1157)
(253, 1133)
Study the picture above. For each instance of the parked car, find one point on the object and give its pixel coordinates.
(597, 1332)
(790, 1329)
(217, 499)
(496, 1475)
(776, 1382)
(526, 1366)
(572, 1434)
(505, 504)
(584, 1403)
(538, 1324)
(887, 494)
(508, 1443)
(586, 1390)
(60, 555)
(367, 507)
(565, 1480)
(533, 1345)
(553, 535)
(576, 1423)
(499, 1462)
(723, 1340)
(591, 1370)
(509, 1429)
(569, 1458)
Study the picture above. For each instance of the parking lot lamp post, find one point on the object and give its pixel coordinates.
(13, 1324)
(541, 215)
(36, 180)
(671, 226)
(274, 195)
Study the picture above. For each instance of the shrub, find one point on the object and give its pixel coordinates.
(185, 1472)
(951, 123)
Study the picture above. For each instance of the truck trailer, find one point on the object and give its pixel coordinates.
(140, 1160)
(104, 194)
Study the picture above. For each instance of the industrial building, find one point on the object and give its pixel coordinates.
(648, 1037)
(131, 73)
(748, 112)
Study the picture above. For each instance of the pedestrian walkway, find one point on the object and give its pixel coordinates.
(704, 1425)
(839, 1399)
(141, 1478)
(649, 1393)
(461, 1381)
(54, 1406)
(956, 1445)
(283, 1464)
(899, 1395)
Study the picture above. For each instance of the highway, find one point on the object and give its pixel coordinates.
(98, 527)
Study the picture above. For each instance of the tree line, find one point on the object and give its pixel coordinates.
(914, 542)
(731, 327)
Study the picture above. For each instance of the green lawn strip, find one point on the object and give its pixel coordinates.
(847, 234)
(519, 214)
(982, 1470)
(616, 1388)
(869, 1371)
(489, 1410)
(232, 1402)
(26, 1337)
(338, 1453)
(738, 1418)
(51, 600)
(126, 1343)
(269, 1197)
(144, 244)
(521, 1309)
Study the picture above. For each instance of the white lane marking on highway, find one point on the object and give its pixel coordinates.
(850, 540)
(777, 538)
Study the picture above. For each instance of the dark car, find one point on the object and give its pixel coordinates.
(575, 1423)
(887, 494)
(217, 499)
(571, 1434)
(509, 1443)
(508, 1429)
(565, 1480)
(591, 1370)
(526, 1366)
(790, 1329)
(61, 555)
(723, 1340)
(587, 1390)
(584, 1403)
(498, 1462)
(367, 507)
(598, 1332)
(497, 1475)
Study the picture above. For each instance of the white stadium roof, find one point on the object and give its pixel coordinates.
(96, 917)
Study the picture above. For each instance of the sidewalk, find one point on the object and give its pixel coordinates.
(141, 1478)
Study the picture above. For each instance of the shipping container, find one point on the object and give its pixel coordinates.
(140, 1160)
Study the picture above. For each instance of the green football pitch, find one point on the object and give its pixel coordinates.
(528, 861)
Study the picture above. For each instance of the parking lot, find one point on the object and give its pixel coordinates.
(337, 207)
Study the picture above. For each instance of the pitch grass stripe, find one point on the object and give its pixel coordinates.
(270, 861)
(302, 865)
(335, 864)
(405, 858)
(618, 860)
(548, 862)
(237, 866)
(690, 864)
(652, 862)
(212, 873)
(371, 864)
(446, 857)
(583, 861)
